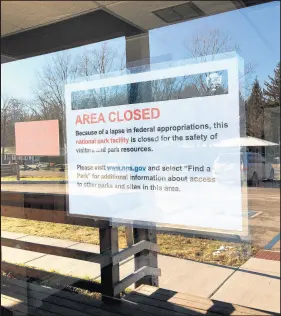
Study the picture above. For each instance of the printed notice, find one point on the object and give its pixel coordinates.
(158, 161)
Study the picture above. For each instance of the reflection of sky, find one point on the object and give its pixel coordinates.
(19, 78)
(256, 30)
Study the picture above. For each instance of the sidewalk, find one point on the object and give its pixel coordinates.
(255, 284)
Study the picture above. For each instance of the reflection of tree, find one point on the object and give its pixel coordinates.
(263, 109)
(104, 60)
(51, 81)
(272, 90)
(254, 110)
(182, 88)
(209, 43)
(205, 46)
(63, 68)
(98, 62)
(102, 97)
(49, 100)
(12, 111)
(162, 90)
(272, 106)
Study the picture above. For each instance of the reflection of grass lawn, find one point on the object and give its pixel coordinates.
(179, 246)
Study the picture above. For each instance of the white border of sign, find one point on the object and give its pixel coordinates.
(231, 62)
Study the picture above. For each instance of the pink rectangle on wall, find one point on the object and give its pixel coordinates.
(37, 138)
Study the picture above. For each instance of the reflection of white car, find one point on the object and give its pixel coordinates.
(254, 164)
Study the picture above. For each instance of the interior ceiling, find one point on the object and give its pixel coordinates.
(19, 16)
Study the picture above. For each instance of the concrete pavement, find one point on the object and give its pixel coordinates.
(174, 271)
(255, 284)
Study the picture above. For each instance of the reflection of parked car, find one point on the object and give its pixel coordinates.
(42, 166)
(254, 164)
(25, 167)
(61, 167)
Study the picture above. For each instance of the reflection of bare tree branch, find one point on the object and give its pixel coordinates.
(97, 61)
(211, 43)
(62, 69)
(100, 62)
(12, 111)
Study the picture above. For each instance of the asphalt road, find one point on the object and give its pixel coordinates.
(264, 226)
(264, 202)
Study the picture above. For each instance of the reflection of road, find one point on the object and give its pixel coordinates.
(42, 173)
(37, 188)
(263, 227)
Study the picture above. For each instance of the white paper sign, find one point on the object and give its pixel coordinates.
(157, 162)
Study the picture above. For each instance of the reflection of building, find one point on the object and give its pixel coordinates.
(10, 156)
(272, 132)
